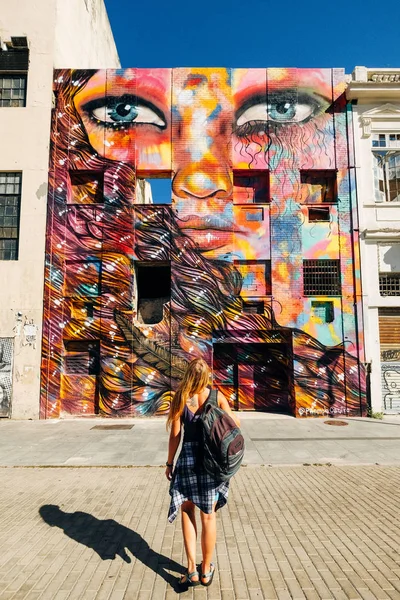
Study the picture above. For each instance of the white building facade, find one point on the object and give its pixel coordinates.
(375, 95)
(36, 37)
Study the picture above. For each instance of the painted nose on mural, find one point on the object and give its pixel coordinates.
(202, 183)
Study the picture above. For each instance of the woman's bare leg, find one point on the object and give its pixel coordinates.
(189, 529)
(208, 540)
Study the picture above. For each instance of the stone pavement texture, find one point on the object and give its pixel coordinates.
(270, 440)
(313, 532)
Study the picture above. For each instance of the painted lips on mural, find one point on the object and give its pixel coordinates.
(248, 153)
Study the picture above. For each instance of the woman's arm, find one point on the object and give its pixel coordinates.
(173, 445)
(224, 404)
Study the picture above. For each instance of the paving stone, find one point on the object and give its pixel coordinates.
(276, 538)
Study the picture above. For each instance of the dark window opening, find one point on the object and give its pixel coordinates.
(256, 277)
(82, 357)
(154, 190)
(89, 310)
(321, 277)
(10, 203)
(251, 188)
(253, 308)
(389, 284)
(86, 187)
(81, 310)
(319, 213)
(323, 310)
(153, 291)
(318, 186)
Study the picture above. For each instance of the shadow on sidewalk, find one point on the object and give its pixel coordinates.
(110, 539)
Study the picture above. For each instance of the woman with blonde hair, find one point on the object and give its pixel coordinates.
(191, 485)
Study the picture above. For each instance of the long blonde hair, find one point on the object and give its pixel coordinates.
(195, 379)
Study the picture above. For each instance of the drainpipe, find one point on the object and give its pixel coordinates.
(350, 131)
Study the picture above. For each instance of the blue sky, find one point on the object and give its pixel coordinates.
(257, 33)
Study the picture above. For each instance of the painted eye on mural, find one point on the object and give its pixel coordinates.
(285, 107)
(128, 110)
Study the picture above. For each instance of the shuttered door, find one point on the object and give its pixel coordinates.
(389, 332)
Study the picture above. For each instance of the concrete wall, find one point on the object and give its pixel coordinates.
(86, 23)
(25, 147)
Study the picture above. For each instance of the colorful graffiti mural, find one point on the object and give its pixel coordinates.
(252, 265)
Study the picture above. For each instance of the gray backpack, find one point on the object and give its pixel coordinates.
(221, 446)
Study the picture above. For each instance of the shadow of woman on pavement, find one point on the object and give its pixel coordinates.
(110, 539)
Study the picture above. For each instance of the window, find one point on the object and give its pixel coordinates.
(256, 277)
(318, 186)
(386, 140)
(253, 213)
(250, 188)
(82, 311)
(14, 62)
(318, 213)
(82, 357)
(253, 307)
(153, 290)
(12, 90)
(323, 311)
(389, 284)
(86, 187)
(10, 202)
(321, 277)
(154, 190)
(387, 176)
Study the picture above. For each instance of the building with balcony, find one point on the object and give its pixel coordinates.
(375, 96)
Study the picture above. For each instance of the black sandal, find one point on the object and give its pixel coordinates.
(189, 579)
(210, 576)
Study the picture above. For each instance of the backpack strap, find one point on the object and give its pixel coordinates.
(212, 398)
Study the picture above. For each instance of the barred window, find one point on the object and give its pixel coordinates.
(12, 90)
(82, 357)
(389, 284)
(321, 277)
(10, 201)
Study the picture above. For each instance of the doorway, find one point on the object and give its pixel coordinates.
(254, 376)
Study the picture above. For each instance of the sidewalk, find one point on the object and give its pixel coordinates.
(328, 532)
(270, 440)
(327, 527)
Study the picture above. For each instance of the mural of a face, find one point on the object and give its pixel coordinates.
(246, 151)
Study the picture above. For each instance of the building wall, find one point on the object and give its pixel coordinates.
(251, 155)
(25, 147)
(86, 24)
(375, 94)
